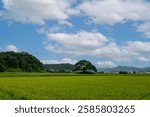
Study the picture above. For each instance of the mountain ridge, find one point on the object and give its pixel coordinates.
(124, 69)
(70, 67)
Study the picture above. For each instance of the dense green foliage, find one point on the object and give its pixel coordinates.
(82, 66)
(11, 61)
(85, 66)
(2, 67)
(74, 86)
(59, 67)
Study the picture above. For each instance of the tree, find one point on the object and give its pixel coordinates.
(123, 72)
(2, 67)
(85, 66)
(22, 61)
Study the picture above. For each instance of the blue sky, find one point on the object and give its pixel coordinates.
(65, 31)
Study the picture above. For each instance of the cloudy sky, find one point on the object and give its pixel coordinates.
(106, 32)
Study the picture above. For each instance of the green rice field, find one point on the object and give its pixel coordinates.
(69, 86)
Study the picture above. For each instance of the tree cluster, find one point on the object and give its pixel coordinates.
(64, 67)
(11, 61)
(24, 62)
(85, 67)
(82, 66)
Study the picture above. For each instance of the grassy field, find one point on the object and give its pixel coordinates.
(45, 86)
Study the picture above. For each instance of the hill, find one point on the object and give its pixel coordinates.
(124, 69)
(21, 61)
(65, 67)
(146, 69)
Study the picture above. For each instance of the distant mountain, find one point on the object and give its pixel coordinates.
(147, 69)
(124, 69)
(66, 67)
(59, 67)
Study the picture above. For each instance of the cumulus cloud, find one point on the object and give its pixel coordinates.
(139, 46)
(144, 28)
(11, 48)
(128, 52)
(65, 23)
(98, 11)
(115, 11)
(59, 26)
(55, 28)
(36, 11)
(42, 30)
(84, 43)
(96, 44)
(105, 64)
(138, 50)
(64, 60)
(82, 39)
(75, 44)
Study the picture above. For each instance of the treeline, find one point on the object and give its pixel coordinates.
(82, 66)
(25, 62)
(64, 67)
(17, 62)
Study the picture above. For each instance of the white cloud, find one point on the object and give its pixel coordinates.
(115, 11)
(59, 27)
(79, 43)
(139, 46)
(138, 50)
(99, 12)
(96, 44)
(83, 42)
(131, 51)
(55, 28)
(64, 60)
(11, 48)
(63, 23)
(42, 30)
(74, 11)
(144, 28)
(105, 64)
(81, 39)
(36, 11)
